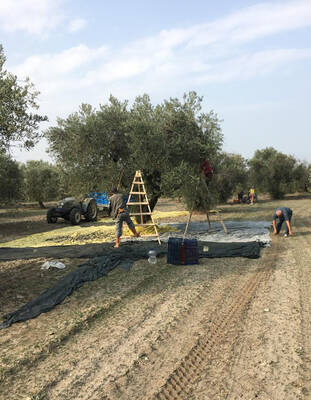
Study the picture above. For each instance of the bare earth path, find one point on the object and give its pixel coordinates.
(226, 329)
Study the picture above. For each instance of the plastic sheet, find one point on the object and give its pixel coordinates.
(124, 257)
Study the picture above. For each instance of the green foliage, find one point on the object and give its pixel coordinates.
(273, 172)
(98, 149)
(302, 177)
(41, 181)
(231, 175)
(11, 179)
(89, 147)
(18, 122)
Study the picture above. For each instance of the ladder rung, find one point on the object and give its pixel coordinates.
(137, 204)
(147, 213)
(138, 193)
(138, 183)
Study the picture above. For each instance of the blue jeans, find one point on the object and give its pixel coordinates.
(280, 223)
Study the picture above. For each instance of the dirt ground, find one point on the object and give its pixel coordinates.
(223, 329)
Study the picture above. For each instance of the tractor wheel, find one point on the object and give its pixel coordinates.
(50, 217)
(91, 211)
(75, 216)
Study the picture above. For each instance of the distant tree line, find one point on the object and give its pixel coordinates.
(33, 181)
(268, 170)
(96, 149)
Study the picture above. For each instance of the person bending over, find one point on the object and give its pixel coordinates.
(282, 214)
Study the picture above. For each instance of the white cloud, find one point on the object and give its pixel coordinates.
(32, 16)
(253, 23)
(36, 17)
(172, 60)
(252, 65)
(202, 49)
(51, 71)
(76, 25)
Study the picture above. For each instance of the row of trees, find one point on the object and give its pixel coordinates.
(269, 171)
(34, 181)
(96, 149)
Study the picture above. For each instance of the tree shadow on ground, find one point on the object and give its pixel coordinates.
(251, 212)
(288, 197)
(85, 224)
(15, 230)
(21, 213)
(301, 233)
(299, 196)
(246, 208)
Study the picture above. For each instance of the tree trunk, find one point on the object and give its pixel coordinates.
(41, 204)
(153, 188)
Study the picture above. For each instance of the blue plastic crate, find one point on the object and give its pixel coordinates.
(178, 256)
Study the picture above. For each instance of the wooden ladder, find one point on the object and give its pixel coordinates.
(138, 191)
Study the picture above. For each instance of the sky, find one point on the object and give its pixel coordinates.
(251, 60)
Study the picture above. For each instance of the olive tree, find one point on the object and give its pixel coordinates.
(11, 179)
(101, 148)
(89, 146)
(19, 121)
(272, 172)
(231, 175)
(41, 181)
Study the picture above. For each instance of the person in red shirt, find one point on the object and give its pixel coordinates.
(206, 171)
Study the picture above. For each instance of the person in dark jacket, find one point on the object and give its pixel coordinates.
(119, 212)
(283, 214)
(240, 196)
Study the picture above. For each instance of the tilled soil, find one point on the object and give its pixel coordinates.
(225, 329)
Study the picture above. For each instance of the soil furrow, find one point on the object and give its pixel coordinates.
(65, 360)
(157, 356)
(197, 358)
(148, 343)
(303, 262)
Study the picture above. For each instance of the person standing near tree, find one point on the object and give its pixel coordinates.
(283, 214)
(206, 172)
(119, 212)
(251, 195)
(240, 196)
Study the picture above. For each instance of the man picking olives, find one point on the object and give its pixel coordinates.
(282, 214)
